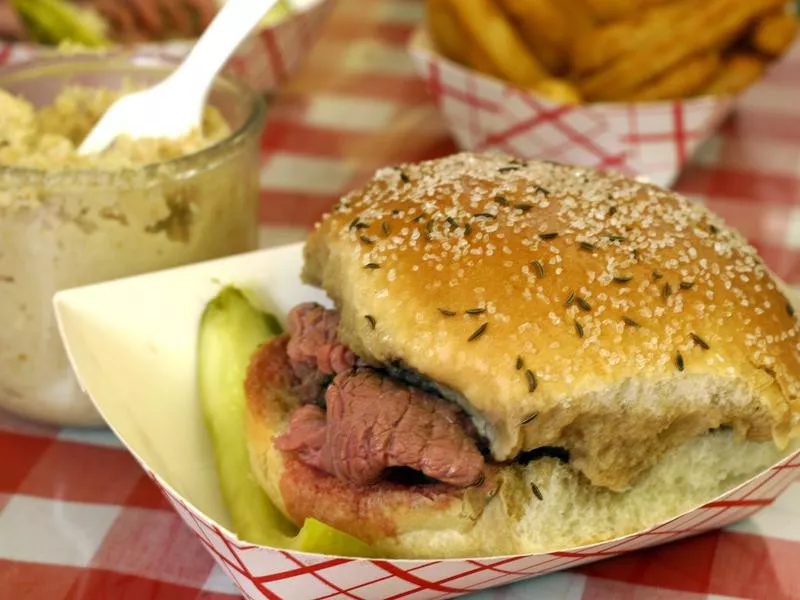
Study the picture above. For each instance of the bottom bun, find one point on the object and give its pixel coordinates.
(539, 507)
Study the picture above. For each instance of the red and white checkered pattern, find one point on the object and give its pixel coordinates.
(652, 139)
(264, 573)
(265, 61)
(80, 520)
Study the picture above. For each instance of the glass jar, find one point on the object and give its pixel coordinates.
(61, 228)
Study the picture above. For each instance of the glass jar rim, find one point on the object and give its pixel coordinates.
(124, 60)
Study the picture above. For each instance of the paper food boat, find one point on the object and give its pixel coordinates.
(132, 343)
(269, 57)
(649, 139)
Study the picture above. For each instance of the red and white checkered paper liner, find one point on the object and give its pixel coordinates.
(649, 139)
(266, 573)
(264, 61)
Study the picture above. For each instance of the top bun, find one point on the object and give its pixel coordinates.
(563, 307)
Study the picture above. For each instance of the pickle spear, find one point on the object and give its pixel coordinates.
(55, 21)
(231, 329)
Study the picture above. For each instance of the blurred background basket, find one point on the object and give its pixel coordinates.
(610, 89)
(652, 140)
(269, 57)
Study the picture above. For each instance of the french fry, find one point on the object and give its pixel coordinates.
(558, 90)
(577, 15)
(709, 25)
(737, 73)
(445, 31)
(602, 45)
(682, 81)
(495, 39)
(574, 51)
(450, 38)
(605, 11)
(545, 29)
(480, 62)
(774, 33)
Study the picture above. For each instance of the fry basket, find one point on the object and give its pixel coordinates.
(650, 140)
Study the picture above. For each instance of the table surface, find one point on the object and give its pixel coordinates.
(79, 520)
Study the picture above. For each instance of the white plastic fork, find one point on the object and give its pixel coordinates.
(174, 107)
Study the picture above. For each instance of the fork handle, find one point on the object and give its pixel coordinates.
(234, 21)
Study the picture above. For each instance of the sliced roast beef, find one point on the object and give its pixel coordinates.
(373, 423)
(314, 349)
(366, 422)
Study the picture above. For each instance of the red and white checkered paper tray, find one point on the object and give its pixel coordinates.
(264, 61)
(647, 139)
(132, 343)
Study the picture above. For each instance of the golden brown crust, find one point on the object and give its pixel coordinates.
(646, 311)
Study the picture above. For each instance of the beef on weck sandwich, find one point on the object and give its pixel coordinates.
(522, 357)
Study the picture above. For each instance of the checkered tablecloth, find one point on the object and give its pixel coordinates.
(78, 518)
